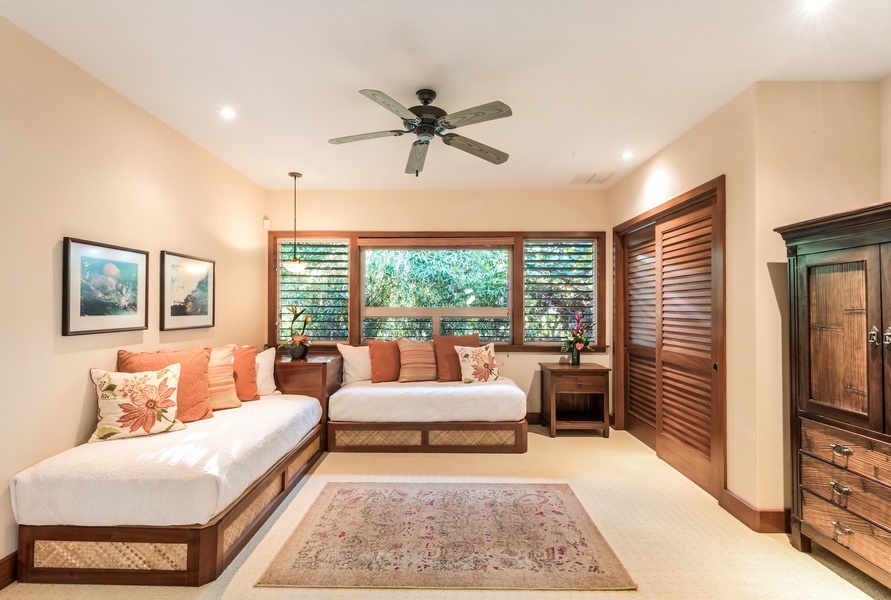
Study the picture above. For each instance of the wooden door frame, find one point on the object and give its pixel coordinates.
(714, 188)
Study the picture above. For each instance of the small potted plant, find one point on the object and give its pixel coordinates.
(576, 341)
(299, 343)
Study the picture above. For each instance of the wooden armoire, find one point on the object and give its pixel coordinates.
(840, 377)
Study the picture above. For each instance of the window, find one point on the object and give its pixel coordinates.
(558, 281)
(419, 292)
(520, 290)
(322, 288)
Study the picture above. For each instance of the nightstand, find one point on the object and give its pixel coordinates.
(575, 397)
(318, 376)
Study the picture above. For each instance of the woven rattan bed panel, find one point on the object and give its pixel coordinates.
(50, 554)
(351, 436)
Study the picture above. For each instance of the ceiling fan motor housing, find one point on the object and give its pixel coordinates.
(428, 114)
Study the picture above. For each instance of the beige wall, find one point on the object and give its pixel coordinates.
(790, 152)
(77, 159)
(817, 154)
(444, 210)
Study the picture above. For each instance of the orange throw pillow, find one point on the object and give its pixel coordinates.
(193, 395)
(448, 367)
(246, 373)
(384, 360)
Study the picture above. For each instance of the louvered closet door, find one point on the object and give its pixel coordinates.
(640, 356)
(686, 364)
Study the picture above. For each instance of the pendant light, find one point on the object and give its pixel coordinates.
(294, 266)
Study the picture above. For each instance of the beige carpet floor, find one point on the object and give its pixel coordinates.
(671, 536)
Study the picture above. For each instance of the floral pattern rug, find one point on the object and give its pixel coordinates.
(447, 535)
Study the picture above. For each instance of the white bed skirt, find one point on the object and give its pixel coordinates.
(428, 402)
(178, 478)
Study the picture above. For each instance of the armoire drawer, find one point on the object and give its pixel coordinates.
(869, 541)
(863, 497)
(859, 454)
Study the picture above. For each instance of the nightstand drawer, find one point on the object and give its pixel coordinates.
(864, 497)
(580, 384)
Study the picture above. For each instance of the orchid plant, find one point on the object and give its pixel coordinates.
(297, 338)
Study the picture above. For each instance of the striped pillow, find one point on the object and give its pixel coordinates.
(417, 361)
(221, 378)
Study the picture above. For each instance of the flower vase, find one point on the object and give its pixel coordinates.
(299, 351)
(576, 357)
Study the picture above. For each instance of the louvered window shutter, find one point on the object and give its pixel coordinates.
(558, 281)
(322, 288)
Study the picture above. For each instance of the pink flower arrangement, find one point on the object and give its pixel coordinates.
(577, 338)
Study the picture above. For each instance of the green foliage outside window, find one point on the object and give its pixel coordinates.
(436, 278)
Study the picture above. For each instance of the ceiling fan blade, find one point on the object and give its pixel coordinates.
(365, 136)
(477, 149)
(416, 157)
(390, 104)
(477, 114)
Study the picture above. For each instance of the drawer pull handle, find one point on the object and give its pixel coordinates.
(841, 451)
(578, 384)
(841, 528)
(840, 489)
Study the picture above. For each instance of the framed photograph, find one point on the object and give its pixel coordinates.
(104, 288)
(187, 292)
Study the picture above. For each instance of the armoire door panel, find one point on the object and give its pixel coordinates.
(842, 359)
(885, 256)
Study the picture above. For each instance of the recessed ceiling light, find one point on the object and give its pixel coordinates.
(228, 113)
(627, 154)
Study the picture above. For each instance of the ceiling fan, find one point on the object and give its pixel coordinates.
(428, 121)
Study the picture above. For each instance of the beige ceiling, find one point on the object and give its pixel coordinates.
(586, 79)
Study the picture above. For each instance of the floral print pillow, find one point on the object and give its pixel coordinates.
(477, 364)
(135, 404)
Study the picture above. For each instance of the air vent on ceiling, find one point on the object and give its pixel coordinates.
(590, 178)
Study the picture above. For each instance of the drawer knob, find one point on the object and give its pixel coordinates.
(578, 384)
(840, 490)
(841, 451)
(841, 529)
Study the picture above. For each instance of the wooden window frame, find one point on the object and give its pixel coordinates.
(514, 241)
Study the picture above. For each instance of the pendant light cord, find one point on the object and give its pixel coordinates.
(294, 175)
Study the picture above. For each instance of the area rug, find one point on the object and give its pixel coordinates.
(447, 535)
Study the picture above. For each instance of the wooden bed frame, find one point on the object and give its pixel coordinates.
(177, 555)
(474, 436)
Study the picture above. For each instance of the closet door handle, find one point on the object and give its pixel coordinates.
(886, 337)
(873, 337)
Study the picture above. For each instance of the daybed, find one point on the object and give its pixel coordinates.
(439, 395)
(428, 416)
(167, 509)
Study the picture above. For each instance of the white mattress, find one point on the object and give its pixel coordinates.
(428, 402)
(178, 478)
